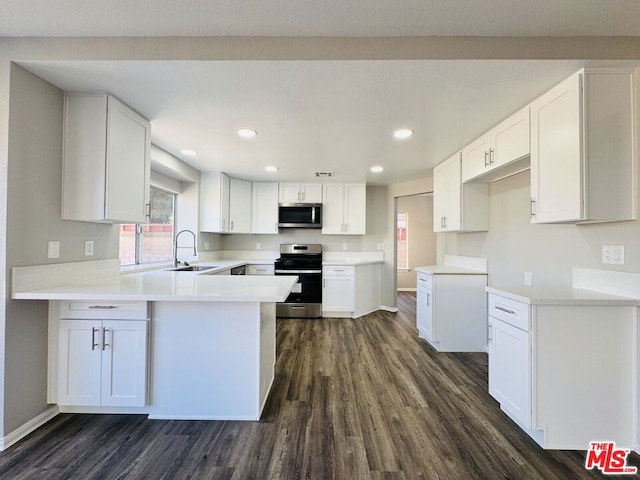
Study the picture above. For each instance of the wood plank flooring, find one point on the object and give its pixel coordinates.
(352, 399)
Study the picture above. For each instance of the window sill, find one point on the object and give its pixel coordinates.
(404, 269)
(143, 267)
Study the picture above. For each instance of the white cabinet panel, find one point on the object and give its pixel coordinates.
(295, 192)
(239, 206)
(583, 154)
(344, 208)
(214, 202)
(458, 207)
(338, 293)
(106, 161)
(265, 208)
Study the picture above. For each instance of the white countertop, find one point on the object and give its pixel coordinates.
(561, 296)
(161, 285)
(338, 262)
(448, 270)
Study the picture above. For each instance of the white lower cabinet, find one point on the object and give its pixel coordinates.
(350, 291)
(264, 269)
(101, 362)
(564, 372)
(450, 311)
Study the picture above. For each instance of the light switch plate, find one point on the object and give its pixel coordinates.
(206, 245)
(53, 249)
(381, 246)
(528, 279)
(613, 254)
(88, 248)
(344, 246)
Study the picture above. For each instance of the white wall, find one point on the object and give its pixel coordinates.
(513, 245)
(420, 236)
(33, 217)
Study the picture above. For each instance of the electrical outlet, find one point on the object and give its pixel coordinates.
(528, 279)
(53, 250)
(88, 248)
(381, 246)
(344, 246)
(613, 254)
(206, 245)
(257, 246)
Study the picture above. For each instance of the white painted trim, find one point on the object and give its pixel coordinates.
(200, 417)
(389, 309)
(366, 313)
(24, 430)
(104, 410)
(407, 289)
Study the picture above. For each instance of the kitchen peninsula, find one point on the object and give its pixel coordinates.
(211, 339)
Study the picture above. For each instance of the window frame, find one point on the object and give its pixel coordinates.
(406, 268)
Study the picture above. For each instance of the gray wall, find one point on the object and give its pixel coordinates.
(33, 217)
(513, 245)
(376, 204)
(422, 240)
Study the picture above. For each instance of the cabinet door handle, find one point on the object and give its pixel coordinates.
(532, 208)
(104, 338)
(298, 196)
(232, 225)
(304, 194)
(93, 338)
(486, 154)
(445, 222)
(505, 310)
(223, 222)
(148, 211)
(490, 337)
(491, 156)
(428, 299)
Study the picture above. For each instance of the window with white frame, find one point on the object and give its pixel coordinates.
(402, 240)
(153, 241)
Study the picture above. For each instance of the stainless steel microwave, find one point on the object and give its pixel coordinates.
(300, 215)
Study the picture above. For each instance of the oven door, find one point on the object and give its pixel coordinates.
(309, 286)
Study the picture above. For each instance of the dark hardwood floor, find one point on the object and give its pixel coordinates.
(352, 399)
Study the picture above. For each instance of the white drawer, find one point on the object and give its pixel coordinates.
(510, 311)
(104, 310)
(425, 280)
(338, 270)
(267, 269)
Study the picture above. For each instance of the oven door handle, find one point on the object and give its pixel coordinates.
(287, 272)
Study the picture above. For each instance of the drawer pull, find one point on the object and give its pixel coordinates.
(93, 338)
(506, 310)
(102, 307)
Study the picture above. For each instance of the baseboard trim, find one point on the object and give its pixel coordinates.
(389, 309)
(24, 430)
(407, 289)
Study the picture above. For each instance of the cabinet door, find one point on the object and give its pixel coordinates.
(265, 208)
(79, 359)
(510, 369)
(452, 221)
(333, 208)
(556, 161)
(510, 139)
(475, 158)
(355, 208)
(440, 196)
(290, 193)
(124, 363)
(337, 293)
(239, 206)
(128, 164)
(214, 202)
(225, 187)
(424, 311)
(311, 192)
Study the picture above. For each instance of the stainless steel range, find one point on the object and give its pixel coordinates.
(305, 261)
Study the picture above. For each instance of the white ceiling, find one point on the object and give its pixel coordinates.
(317, 115)
(356, 18)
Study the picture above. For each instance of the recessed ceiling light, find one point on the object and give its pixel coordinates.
(247, 133)
(189, 153)
(403, 133)
(271, 169)
(377, 169)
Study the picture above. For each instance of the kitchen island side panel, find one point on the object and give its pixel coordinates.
(206, 361)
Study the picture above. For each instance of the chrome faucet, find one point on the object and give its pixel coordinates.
(175, 247)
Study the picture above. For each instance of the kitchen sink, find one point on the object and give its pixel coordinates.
(193, 268)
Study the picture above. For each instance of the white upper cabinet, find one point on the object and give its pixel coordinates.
(458, 207)
(265, 207)
(583, 149)
(505, 145)
(344, 208)
(106, 161)
(296, 192)
(239, 206)
(214, 202)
